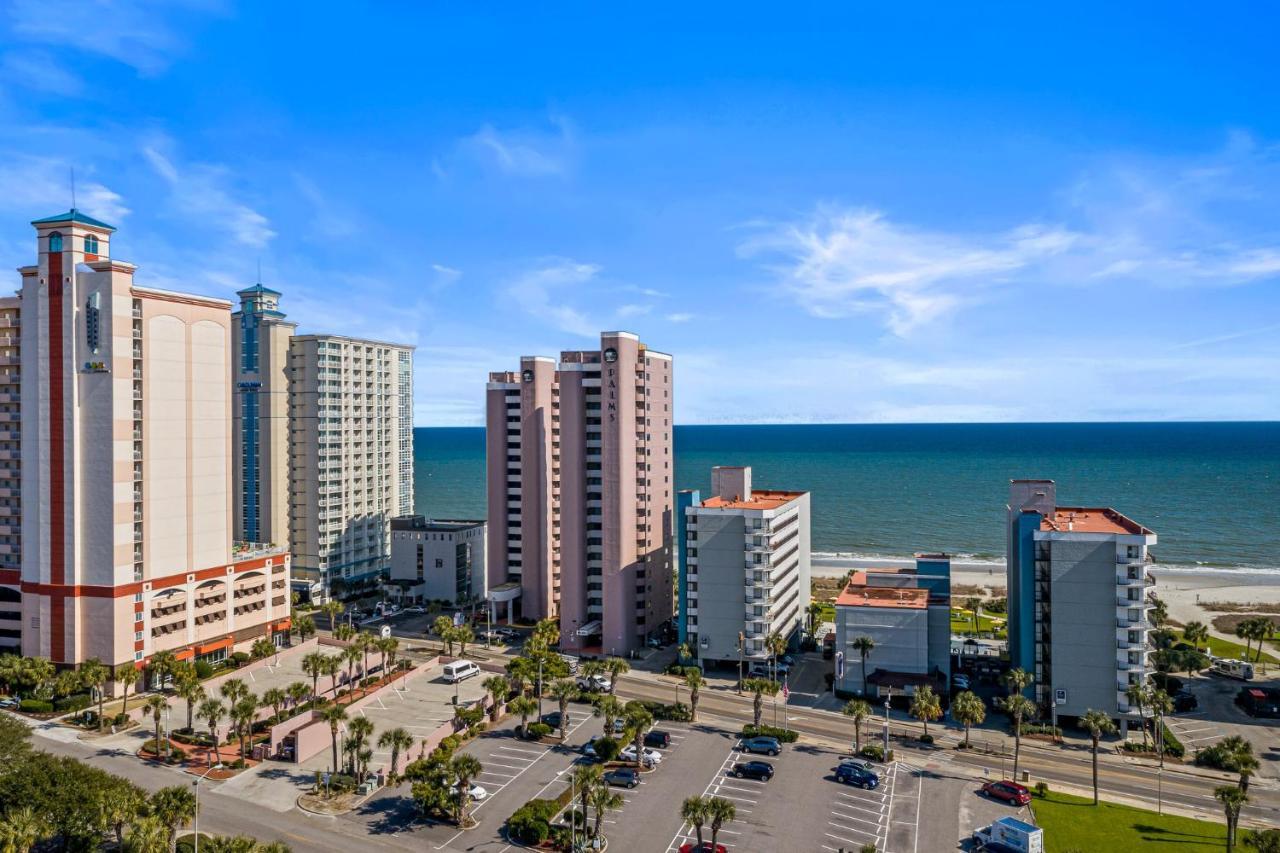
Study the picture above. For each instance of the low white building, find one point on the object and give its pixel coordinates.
(438, 560)
(747, 567)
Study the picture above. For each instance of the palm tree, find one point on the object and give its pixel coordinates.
(775, 644)
(859, 710)
(275, 697)
(863, 645)
(120, 805)
(243, 713)
(1017, 707)
(693, 680)
(156, 705)
(1263, 840)
(1096, 723)
(351, 656)
(193, 694)
(498, 688)
(94, 674)
(1232, 800)
(297, 693)
(584, 779)
(440, 626)
(968, 709)
(387, 646)
(364, 641)
(233, 690)
(611, 708)
(1195, 633)
(332, 609)
(463, 634)
(721, 811)
(21, 828)
(603, 800)
(212, 711)
(616, 667)
(397, 740)
(694, 812)
(331, 665)
(162, 665)
(974, 606)
(563, 691)
(1159, 612)
(812, 612)
(638, 722)
(758, 687)
(925, 706)
(147, 835)
(175, 807)
(313, 665)
(305, 626)
(127, 677)
(359, 730)
(334, 715)
(464, 767)
(262, 648)
(523, 706)
(1161, 706)
(343, 633)
(1240, 758)
(1138, 696)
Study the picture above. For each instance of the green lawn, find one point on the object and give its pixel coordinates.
(962, 621)
(1074, 823)
(1232, 649)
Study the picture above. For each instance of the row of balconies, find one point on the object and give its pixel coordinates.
(246, 591)
(163, 630)
(159, 612)
(206, 618)
(250, 608)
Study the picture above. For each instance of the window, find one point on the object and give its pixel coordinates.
(91, 244)
(55, 241)
(439, 563)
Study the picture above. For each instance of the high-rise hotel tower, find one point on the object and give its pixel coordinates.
(127, 540)
(580, 485)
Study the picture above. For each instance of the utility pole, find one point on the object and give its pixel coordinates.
(741, 641)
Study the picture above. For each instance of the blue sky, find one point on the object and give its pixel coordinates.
(827, 214)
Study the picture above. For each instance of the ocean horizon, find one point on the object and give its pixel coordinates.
(1210, 490)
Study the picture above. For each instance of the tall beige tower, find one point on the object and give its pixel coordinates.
(126, 466)
(351, 457)
(580, 484)
(10, 474)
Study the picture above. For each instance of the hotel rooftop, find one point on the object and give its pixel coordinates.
(1091, 520)
(759, 499)
(859, 594)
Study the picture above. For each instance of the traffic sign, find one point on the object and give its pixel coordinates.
(839, 666)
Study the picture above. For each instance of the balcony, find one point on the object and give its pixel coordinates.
(1139, 624)
(1125, 601)
(1123, 643)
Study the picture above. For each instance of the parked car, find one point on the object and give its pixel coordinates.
(761, 770)
(759, 670)
(852, 774)
(477, 793)
(1009, 835)
(763, 745)
(416, 608)
(861, 763)
(9, 702)
(1259, 702)
(692, 847)
(572, 662)
(460, 670)
(657, 739)
(1009, 792)
(651, 756)
(1185, 700)
(589, 748)
(595, 684)
(623, 777)
(553, 719)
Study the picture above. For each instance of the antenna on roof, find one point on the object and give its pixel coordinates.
(259, 270)
(73, 186)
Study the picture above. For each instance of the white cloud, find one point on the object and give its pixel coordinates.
(843, 262)
(523, 152)
(198, 190)
(679, 317)
(540, 292)
(43, 184)
(632, 310)
(39, 71)
(447, 274)
(133, 32)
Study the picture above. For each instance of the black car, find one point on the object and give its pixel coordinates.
(625, 777)
(761, 770)
(1185, 700)
(553, 719)
(657, 739)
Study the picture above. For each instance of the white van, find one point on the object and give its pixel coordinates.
(459, 670)
(1233, 669)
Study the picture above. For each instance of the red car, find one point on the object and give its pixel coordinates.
(705, 848)
(1010, 792)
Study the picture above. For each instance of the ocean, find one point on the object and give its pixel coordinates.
(1211, 491)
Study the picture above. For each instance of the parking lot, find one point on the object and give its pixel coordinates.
(1218, 716)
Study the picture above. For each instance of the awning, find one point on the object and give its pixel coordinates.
(184, 654)
(282, 625)
(205, 648)
(592, 627)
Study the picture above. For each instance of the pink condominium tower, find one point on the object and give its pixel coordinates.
(580, 474)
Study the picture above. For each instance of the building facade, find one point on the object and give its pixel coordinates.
(1079, 601)
(126, 480)
(10, 474)
(351, 457)
(260, 416)
(685, 498)
(580, 487)
(746, 568)
(439, 560)
(907, 615)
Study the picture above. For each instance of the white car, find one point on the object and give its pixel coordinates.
(477, 793)
(595, 683)
(416, 608)
(651, 756)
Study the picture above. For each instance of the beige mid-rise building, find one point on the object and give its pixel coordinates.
(126, 466)
(351, 456)
(10, 474)
(580, 491)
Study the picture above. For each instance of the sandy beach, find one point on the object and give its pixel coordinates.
(1182, 589)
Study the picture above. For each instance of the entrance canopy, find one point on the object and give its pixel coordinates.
(592, 627)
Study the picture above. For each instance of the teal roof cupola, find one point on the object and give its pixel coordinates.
(74, 215)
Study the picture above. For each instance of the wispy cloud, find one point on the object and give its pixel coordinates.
(198, 190)
(523, 152)
(43, 184)
(134, 32)
(679, 317)
(328, 219)
(37, 70)
(540, 292)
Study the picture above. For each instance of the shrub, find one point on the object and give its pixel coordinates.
(783, 735)
(537, 730)
(926, 738)
(450, 744)
(1172, 746)
(121, 719)
(342, 783)
(607, 748)
(1136, 746)
(1216, 756)
(1041, 729)
(35, 706)
(369, 682)
(531, 823)
(204, 669)
(875, 753)
(78, 702)
(1168, 683)
(240, 658)
(1042, 790)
